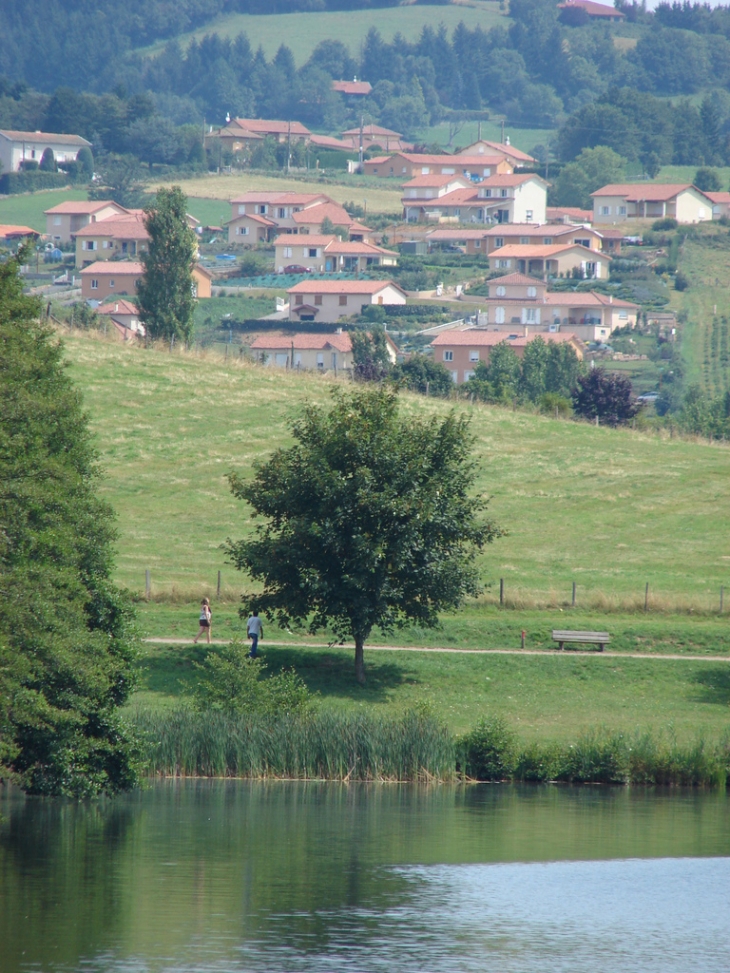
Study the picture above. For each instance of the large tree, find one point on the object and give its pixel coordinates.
(166, 301)
(369, 519)
(604, 396)
(67, 655)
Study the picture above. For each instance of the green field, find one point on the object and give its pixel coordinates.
(521, 138)
(303, 31)
(608, 509)
(27, 209)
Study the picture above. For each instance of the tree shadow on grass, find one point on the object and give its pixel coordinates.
(331, 672)
(170, 669)
(715, 685)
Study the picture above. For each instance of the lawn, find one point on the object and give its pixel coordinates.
(608, 509)
(301, 32)
(212, 188)
(27, 209)
(521, 138)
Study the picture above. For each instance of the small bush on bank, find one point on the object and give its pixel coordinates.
(488, 752)
(667, 223)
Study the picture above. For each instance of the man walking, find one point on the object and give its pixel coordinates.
(254, 631)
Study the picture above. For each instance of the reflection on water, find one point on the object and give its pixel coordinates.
(241, 876)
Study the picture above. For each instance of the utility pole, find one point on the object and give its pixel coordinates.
(502, 131)
(288, 147)
(360, 154)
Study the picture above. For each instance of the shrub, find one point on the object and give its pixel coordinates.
(666, 223)
(551, 403)
(681, 282)
(488, 752)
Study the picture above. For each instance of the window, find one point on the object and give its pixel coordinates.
(622, 211)
(529, 314)
(312, 252)
(468, 375)
(525, 241)
(32, 153)
(263, 209)
(242, 230)
(532, 291)
(318, 300)
(57, 221)
(477, 244)
(299, 299)
(297, 359)
(547, 240)
(375, 170)
(286, 252)
(501, 290)
(111, 283)
(503, 264)
(343, 300)
(499, 315)
(95, 285)
(424, 170)
(503, 193)
(473, 356)
(528, 215)
(241, 210)
(498, 242)
(623, 315)
(108, 243)
(320, 359)
(448, 356)
(605, 210)
(282, 212)
(583, 243)
(89, 245)
(487, 193)
(449, 171)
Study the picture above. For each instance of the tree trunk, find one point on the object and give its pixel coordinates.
(359, 661)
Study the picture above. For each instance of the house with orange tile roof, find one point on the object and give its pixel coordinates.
(124, 316)
(515, 198)
(67, 218)
(305, 352)
(720, 204)
(332, 300)
(408, 165)
(282, 131)
(484, 241)
(461, 349)
(109, 279)
(619, 202)
(569, 214)
(328, 254)
(595, 11)
(508, 151)
(352, 89)
(376, 136)
(12, 232)
(122, 236)
(554, 260)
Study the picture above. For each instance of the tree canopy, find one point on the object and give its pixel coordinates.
(67, 655)
(166, 301)
(369, 520)
(604, 396)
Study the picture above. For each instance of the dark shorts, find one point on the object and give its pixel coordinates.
(204, 624)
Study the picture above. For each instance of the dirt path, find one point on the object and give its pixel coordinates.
(566, 654)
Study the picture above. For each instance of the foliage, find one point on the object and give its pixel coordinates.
(233, 684)
(420, 373)
(546, 368)
(370, 354)
(121, 179)
(499, 380)
(67, 656)
(488, 752)
(604, 396)
(166, 302)
(666, 223)
(48, 161)
(592, 169)
(707, 180)
(369, 520)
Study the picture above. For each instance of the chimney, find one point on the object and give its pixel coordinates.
(116, 308)
(610, 298)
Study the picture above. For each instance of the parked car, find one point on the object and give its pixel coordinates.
(297, 269)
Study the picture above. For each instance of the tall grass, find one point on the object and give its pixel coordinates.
(320, 745)
(414, 747)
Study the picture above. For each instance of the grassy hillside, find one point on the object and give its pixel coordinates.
(608, 509)
(303, 31)
(27, 209)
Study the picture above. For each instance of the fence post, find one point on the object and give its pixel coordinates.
(722, 597)
(501, 591)
(646, 598)
(147, 584)
(218, 589)
(523, 638)
(573, 599)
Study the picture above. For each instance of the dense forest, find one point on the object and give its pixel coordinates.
(659, 97)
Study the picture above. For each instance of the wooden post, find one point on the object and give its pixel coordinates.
(523, 639)
(147, 584)
(722, 597)
(573, 599)
(501, 591)
(218, 589)
(646, 598)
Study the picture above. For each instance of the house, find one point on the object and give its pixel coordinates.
(484, 147)
(12, 233)
(555, 260)
(117, 236)
(17, 147)
(375, 135)
(106, 280)
(65, 219)
(569, 214)
(327, 142)
(408, 165)
(269, 128)
(331, 300)
(328, 254)
(515, 198)
(306, 352)
(720, 204)
(521, 305)
(461, 350)
(617, 203)
(595, 11)
(257, 216)
(484, 241)
(354, 89)
(125, 318)
(311, 218)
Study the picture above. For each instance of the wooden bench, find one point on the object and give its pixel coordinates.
(599, 639)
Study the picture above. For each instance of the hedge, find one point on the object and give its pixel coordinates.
(29, 182)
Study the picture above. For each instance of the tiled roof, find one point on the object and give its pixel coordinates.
(302, 342)
(352, 87)
(117, 307)
(327, 142)
(477, 338)
(10, 229)
(719, 197)
(510, 179)
(123, 227)
(277, 198)
(583, 215)
(585, 299)
(110, 268)
(341, 287)
(271, 126)
(315, 214)
(304, 239)
(81, 208)
(517, 280)
(649, 192)
(542, 250)
(458, 197)
(373, 130)
(378, 159)
(256, 217)
(455, 234)
(500, 147)
(530, 229)
(43, 137)
(359, 228)
(435, 179)
(355, 246)
(593, 9)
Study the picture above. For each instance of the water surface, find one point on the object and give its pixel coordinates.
(202, 876)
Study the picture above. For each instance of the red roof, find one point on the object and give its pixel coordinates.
(115, 268)
(8, 230)
(302, 342)
(435, 179)
(542, 250)
(352, 87)
(117, 307)
(517, 280)
(327, 142)
(477, 338)
(315, 214)
(369, 130)
(269, 126)
(593, 9)
(572, 212)
(44, 137)
(719, 197)
(646, 192)
(304, 239)
(274, 198)
(342, 287)
(80, 208)
(502, 148)
(122, 227)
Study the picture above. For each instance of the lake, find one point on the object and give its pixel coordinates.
(234, 876)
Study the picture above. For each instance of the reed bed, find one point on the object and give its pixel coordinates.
(320, 745)
(414, 747)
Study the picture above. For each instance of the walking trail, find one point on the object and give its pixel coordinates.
(569, 653)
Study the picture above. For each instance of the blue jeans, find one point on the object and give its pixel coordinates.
(254, 646)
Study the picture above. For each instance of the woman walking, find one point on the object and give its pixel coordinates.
(206, 617)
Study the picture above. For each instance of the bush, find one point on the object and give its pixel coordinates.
(30, 182)
(551, 403)
(681, 282)
(488, 752)
(667, 223)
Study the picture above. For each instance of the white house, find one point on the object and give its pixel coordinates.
(332, 300)
(17, 147)
(617, 203)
